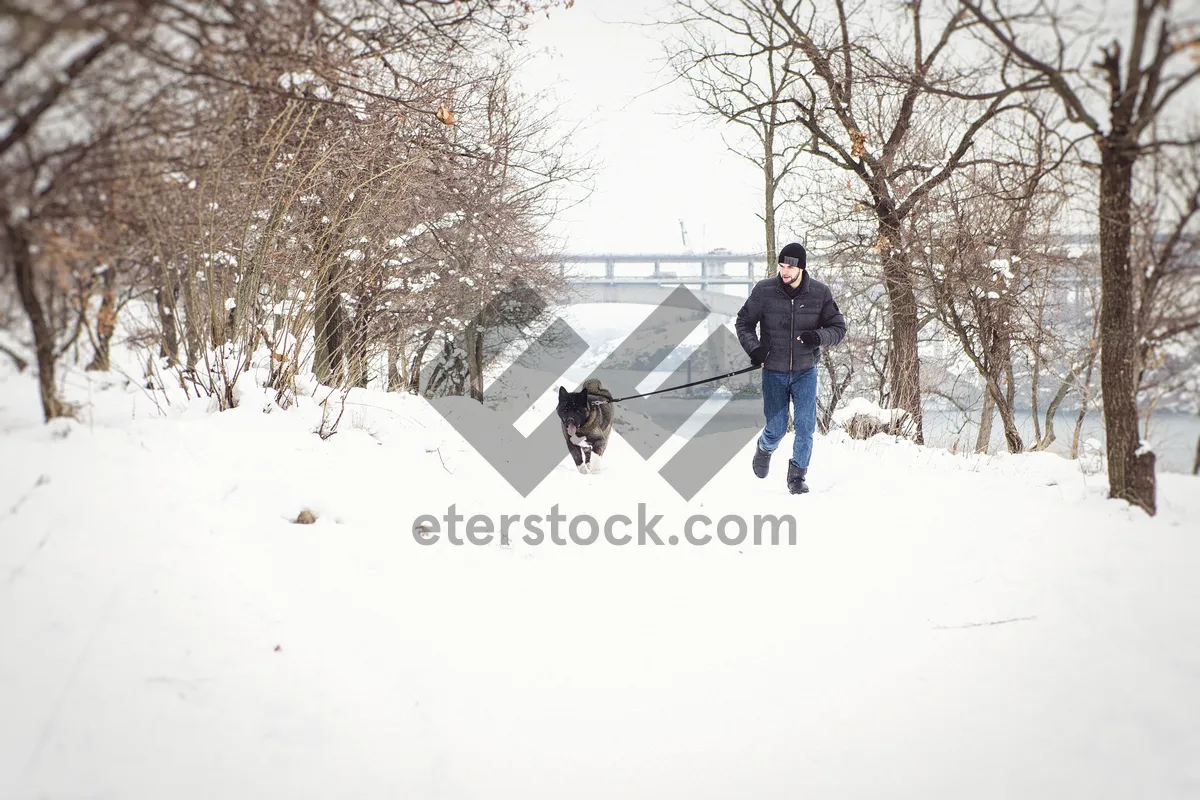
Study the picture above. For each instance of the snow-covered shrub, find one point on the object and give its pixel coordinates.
(862, 419)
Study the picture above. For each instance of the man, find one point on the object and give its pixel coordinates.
(797, 316)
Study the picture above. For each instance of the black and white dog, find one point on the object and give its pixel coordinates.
(587, 418)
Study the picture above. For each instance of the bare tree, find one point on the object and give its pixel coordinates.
(868, 83)
(61, 61)
(858, 366)
(990, 233)
(1165, 263)
(1165, 255)
(505, 177)
(219, 89)
(1063, 338)
(1141, 79)
(736, 60)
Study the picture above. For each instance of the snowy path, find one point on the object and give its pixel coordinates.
(944, 627)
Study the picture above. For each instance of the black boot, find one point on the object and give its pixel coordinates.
(762, 461)
(795, 479)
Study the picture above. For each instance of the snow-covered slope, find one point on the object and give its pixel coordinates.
(942, 627)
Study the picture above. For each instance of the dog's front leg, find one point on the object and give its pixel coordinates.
(577, 455)
(597, 450)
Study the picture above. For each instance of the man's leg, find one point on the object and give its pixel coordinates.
(776, 399)
(804, 404)
(775, 409)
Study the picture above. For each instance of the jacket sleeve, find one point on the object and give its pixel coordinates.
(831, 325)
(746, 324)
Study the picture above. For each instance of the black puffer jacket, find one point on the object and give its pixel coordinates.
(783, 318)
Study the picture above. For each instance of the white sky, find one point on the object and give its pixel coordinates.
(604, 60)
(654, 169)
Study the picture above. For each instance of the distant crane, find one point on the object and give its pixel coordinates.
(683, 233)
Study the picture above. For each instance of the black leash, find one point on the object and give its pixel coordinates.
(601, 399)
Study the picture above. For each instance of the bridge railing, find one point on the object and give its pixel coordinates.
(713, 266)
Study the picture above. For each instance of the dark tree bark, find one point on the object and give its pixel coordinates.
(414, 367)
(769, 189)
(473, 344)
(21, 252)
(330, 334)
(1130, 472)
(904, 376)
(1002, 359)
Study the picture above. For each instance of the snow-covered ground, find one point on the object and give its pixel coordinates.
(943, 626)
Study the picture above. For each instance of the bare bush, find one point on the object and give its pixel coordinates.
(278, 183)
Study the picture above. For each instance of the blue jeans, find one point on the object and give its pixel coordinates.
(800, 388)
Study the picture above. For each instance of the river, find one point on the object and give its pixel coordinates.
(1172, 435)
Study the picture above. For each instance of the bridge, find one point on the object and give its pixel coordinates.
(719, 279)
(706, 268)
(722, 279)
(649, 278)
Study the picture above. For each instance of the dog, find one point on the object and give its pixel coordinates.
(587, 419)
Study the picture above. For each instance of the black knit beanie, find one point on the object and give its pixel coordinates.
(794, 250)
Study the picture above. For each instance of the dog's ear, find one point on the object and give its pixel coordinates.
(562, 393)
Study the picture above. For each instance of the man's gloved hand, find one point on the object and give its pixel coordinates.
(810, 337)
(758, 355)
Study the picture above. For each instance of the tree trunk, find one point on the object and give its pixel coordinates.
(904, 377)
(72, 343)
(414, 369)
(21, 250)
(1012, 436)
(473, 340)
(451, 375)
(106, 323)
(1034, 380)
(1130, 472)
(997, 368)
(1047, 439)
(1196, 463)
(837, 388)
(984, 440)
(1078, 430)
(769, 202)
(356, 352)
(358, 374)
(1083, 405)
(192, 319)
(395, 377)
(329, 330)
(168, 347)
